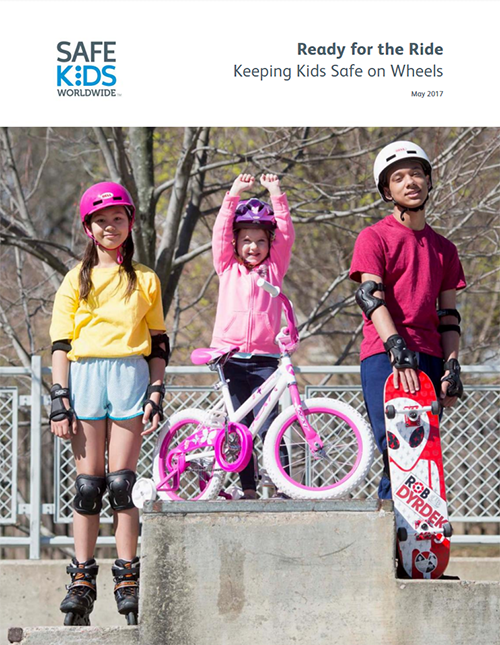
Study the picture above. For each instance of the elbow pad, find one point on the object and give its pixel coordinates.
(449, 312)
(365, 298)
(63, 345)
(157, 351)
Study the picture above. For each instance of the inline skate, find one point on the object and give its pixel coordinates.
(82, 592)
(126, 577)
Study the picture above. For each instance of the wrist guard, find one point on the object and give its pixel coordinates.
(365, 298)
(157, 351)
(58, 411)
(400, 356)
(455, 387)
(157, 409)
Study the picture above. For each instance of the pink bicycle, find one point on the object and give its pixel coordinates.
(328, 445)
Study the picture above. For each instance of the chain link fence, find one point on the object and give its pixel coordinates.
(469, 433)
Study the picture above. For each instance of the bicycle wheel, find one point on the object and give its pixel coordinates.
(202, 478)
(348, 447)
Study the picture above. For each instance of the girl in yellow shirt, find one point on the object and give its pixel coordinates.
(109, 355)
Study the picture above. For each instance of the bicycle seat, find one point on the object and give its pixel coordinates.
(206, 355)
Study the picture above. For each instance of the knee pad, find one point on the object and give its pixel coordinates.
(89, 492)
(120, 484)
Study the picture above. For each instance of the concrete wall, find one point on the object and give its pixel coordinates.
(264, 572)
(293, 572)
(31, 592)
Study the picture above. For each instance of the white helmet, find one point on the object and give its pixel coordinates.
(395, 152)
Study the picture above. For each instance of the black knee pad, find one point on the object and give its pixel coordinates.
(89, 492)
(120, 484)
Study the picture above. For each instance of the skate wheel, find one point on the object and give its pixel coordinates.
(447, 530)
(435, 407)
(68, 618)
(390, 411)
(402, 534)
(131, 618)
(76, 620)
(144, 490)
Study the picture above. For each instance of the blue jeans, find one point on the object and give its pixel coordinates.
(374, 372)
(245, 376)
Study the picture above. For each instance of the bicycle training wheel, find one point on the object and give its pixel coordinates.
(348, 451)
(202, 478)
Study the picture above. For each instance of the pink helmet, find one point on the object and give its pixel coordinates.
(102, 195)
(252, 213)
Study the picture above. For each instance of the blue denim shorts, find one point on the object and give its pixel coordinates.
(108, 387)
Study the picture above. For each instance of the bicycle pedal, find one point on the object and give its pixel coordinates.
(264, 479)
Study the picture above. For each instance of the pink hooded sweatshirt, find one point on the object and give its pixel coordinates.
(247, 316)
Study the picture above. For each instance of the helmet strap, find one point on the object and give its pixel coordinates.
(406, 209)
(119, 255)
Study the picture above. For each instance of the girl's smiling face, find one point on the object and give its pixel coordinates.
(110, 227)
(252, 245)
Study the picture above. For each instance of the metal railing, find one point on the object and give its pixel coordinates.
(469, 434)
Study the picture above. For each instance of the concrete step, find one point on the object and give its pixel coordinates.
(274, 571)
(295, 572)
(74, 635)
(36, 588)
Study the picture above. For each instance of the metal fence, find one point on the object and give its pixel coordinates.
(469, 434)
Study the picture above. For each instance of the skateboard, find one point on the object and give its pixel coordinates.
(417, 478)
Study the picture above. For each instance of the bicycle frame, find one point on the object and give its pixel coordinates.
(275, 385)
(272, 388)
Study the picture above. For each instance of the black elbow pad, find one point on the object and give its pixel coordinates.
(157, 351)
(63, 345)
(365, 298)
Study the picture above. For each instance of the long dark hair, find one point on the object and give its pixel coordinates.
(90, 259)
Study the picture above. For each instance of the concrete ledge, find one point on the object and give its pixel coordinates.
(291, 572)
(75, 635)
(282, 574)
(268, 506)
(478, 569)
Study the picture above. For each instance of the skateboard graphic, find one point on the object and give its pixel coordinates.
(417, 478)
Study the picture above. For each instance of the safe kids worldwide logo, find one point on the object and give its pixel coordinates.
(86, 69)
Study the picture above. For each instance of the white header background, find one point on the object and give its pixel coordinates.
(175, 62)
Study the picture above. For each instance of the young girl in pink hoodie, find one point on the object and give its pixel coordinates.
(251, 239)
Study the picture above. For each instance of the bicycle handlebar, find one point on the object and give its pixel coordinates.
(270, 288)
(275, 292)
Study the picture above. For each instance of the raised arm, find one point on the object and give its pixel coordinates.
(222, 235)
(281, 249)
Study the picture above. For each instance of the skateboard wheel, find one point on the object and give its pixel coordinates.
(390, 411)
(402, 534)
(435, 407)
(447, 530)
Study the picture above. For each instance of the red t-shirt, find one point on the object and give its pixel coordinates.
(415, 267)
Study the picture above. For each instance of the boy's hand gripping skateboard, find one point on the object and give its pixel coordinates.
(417, 478)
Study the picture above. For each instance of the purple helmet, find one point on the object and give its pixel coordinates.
(252, 213)
(102, 195)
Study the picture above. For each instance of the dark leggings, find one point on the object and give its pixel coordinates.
(374, 372)
(245, 377)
